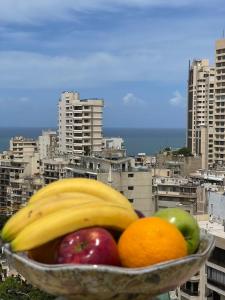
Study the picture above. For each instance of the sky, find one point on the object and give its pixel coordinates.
(132, 53)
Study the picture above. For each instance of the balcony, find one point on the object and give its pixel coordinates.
(216, 278)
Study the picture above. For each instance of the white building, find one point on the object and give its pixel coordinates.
(79, 125)
(200, 110)
(47, 144)
(219, 130)
(209, 282)
(113, 143)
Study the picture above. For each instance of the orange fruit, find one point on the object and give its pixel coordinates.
(149, 241)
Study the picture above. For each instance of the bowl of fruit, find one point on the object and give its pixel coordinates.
(81, 239)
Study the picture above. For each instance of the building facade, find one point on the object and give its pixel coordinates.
(219, 132)
(22, 147)
(201, 110)
(79, 125)
(48, 144)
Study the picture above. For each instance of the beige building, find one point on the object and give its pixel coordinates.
(219, 133)
(178, 165)
(119, 172)
(201, 110)
(48, 144)
(175, 192)
(22, 147)
(18, 181)
(79, 125)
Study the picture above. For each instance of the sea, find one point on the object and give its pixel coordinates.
(136, 140)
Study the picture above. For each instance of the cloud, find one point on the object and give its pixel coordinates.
(177, 100)
(24, 11)
(33, 70)
(130, 99)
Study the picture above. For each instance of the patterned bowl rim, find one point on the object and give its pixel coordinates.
(114, 269)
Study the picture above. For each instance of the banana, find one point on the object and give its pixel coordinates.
(35, 210)
(65, 221)
(82, 185)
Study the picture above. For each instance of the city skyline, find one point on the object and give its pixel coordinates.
(133, 54)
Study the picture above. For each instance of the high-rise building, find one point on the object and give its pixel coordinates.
(200, 110)
(219, 127)
(79, 125)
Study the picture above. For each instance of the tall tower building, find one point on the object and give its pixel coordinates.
(200, 110)
(79, 125)
(219, 126)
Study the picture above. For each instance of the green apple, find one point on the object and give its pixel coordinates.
(185, 222)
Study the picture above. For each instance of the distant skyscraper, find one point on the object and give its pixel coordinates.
(200, 110)
(219, 130)
(79, 125)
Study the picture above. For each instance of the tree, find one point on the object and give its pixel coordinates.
(183, 151)
(15, 288)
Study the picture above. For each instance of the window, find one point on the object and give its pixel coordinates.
(130, 188)
(131, 200)
(130, 175)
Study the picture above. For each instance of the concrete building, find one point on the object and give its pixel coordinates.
(219, 124)
(22, 147)
(79, 125)
(209, 282)
(113, 143)
(174, 192)
(54, 169)
(201, 110)
(179, 192)
(48, 144)
(135, 183)
(179, 165)
(14, 177)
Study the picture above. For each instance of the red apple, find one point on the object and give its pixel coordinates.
(93, 245)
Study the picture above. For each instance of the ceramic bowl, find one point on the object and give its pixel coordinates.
(92, 282)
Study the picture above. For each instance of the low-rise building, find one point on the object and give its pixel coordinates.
(13, 176)
(22, 147)
(175, 192)
(180, 165)
(135, 183)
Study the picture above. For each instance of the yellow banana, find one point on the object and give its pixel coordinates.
(35, 210)
(82, 185)
(65, 221)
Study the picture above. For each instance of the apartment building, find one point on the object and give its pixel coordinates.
(209, 282)
(113, 143)
(219, 130)
(119, 172)
(79, 125)
(179, 192)
(201, 110)
(22, 147)
(17, 181)
(179, 165)
(48, 144)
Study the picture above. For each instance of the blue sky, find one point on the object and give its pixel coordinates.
(132, 53)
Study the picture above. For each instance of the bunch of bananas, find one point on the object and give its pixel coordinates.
(64, 206)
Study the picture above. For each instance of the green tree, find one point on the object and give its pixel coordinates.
(14, 288)
(183, 151)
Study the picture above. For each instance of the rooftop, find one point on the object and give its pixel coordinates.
(213, 228)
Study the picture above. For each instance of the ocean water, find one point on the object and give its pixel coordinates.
(147, 140)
